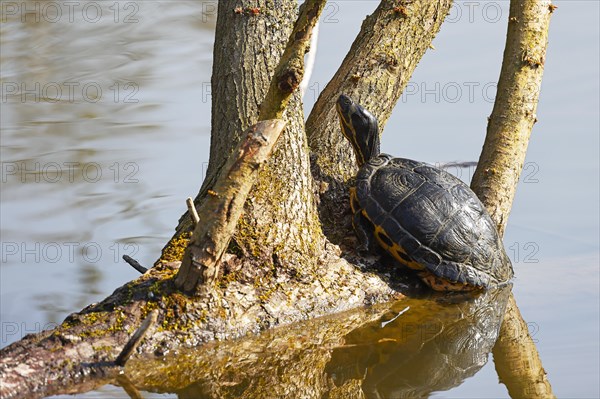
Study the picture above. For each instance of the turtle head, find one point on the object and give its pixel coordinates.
(359, 126)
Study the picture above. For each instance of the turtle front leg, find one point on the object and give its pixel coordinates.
(364, 232)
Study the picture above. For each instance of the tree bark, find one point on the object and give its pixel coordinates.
(223, 208)
(279, 222)
(497, 175)
(501, 161)
(221, 211)
(378, 66)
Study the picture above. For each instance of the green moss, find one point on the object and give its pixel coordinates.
(103, 348)
(172, 306)
(119, 322)
(260, 241)
(128, 296)
(175, 248)
(248, 236)
(229, 278)
(266, 295)
(88, 324)
(146, 308)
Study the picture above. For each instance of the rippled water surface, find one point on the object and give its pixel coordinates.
(105, 118)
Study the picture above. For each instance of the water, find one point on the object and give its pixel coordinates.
(98, 158)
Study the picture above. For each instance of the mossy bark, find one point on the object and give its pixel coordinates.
(279, 222)
(222, 209)
(378, 66)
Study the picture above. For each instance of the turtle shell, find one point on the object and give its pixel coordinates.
(431, 221)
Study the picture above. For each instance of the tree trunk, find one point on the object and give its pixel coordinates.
(222, 209)
(377, 68)
(497, 175)
(279, 223)
(509, 126)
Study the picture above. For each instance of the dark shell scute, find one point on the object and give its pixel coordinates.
(409, 243)
(424, 212)
(455, 240)
(435, 218)
(426, 256)
(399, 184)
(442, 178)
(404, 163)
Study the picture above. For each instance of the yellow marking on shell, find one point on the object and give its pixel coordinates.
(353, 200)
(436, 283)
(440, 284)
(396, 250)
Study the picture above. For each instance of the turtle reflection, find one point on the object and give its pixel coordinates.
(431, 345)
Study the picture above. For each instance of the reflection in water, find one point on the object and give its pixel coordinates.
(433, 346)
(517, 360)
(94, 94)
(412, 348)
(285, 362)
(408, 349)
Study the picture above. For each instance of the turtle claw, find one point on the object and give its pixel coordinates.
(364, 232)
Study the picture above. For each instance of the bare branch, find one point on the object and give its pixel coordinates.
(378, 66)
(222, 209)
(375, 71)
(497, 175)
(509, 127)
(290, 71)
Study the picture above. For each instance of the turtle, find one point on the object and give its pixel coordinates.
(424, 217)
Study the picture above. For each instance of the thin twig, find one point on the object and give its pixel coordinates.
(135, 264)
(136, 338)
(192, 208)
